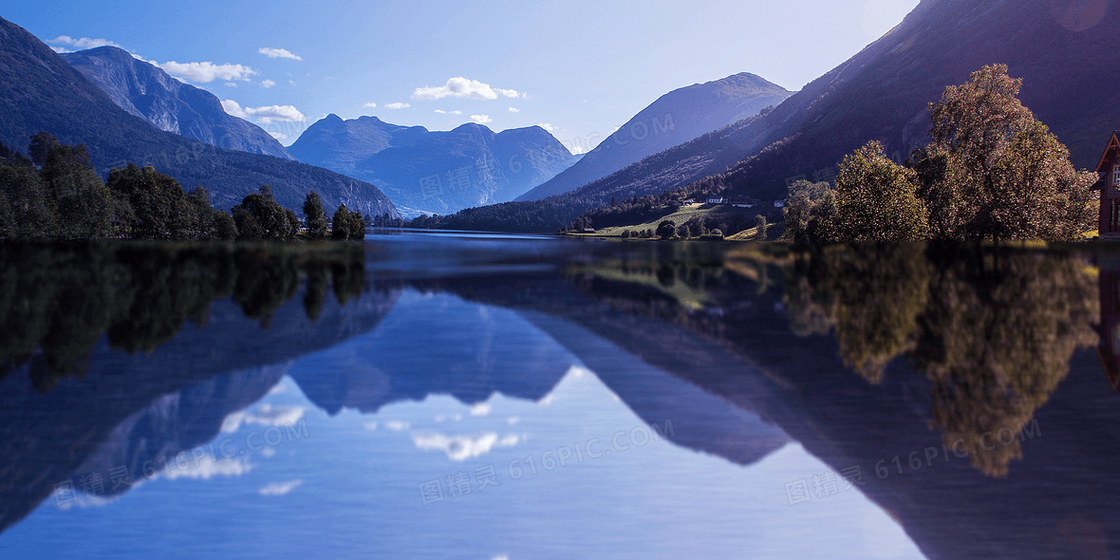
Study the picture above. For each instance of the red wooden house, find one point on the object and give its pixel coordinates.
(1108, 168)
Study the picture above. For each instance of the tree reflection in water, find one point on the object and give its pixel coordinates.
(57, 301)
(993, 328)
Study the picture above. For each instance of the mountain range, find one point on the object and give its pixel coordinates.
(437, 172)
(882, 93)
(1057, 48)
(148, 92)
(675, 118)
(40, 91)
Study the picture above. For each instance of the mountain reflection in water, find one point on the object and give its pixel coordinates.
(965, 391)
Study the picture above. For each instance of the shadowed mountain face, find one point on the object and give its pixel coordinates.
(677, 117)
(881, 93)
(172, 106)
(1057, 47)
(435, 172)
(41, 91)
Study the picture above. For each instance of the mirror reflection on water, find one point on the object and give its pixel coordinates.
(473, 396)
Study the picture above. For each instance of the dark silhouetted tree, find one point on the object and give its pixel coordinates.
(313, 214)
(667, 229)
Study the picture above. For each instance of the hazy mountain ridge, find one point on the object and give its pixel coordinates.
(41, 91)
(675, 118)
(435, 172)
(172, 106)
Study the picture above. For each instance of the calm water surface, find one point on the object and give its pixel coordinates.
(466, 396)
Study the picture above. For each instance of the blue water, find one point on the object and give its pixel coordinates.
(510, 397)
(348, 485)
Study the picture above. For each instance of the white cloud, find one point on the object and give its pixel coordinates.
(266, 83)
(266, 415)
(266, 115)
(547, 127)
(482, 119)
(397, 425)
(231, 84)
(206, 72)
(514, 110)
(397, 106)
(205, 468)
(83, 43)
(370, 105)
(233, 108)
(371, 426)
(269, 415)
(480, 409)
(513, 420)
(278, 53)
(463, 88)
(278, 135)
(279, 488)
(61, 50)
(461, 448)
(442, 112)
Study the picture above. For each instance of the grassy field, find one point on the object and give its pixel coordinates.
(679, 217)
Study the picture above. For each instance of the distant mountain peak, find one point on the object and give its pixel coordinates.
(673, 119)
(43, 92)
(148, 92)
(435, 172)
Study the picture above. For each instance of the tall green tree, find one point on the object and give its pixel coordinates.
(357, 225)
(160, 209)
(81, 199)
(340, 224)
(992, 171)
(805, 208)
(876, 200)
(260, 218)
(33, 215)
(313, 214)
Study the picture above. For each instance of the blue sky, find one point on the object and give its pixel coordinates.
(582, 67)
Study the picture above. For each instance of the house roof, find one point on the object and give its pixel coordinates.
(1113, 144)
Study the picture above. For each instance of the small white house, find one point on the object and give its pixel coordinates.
(715, 201)
(779, 204)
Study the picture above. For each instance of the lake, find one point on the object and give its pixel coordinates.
(462, 395)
